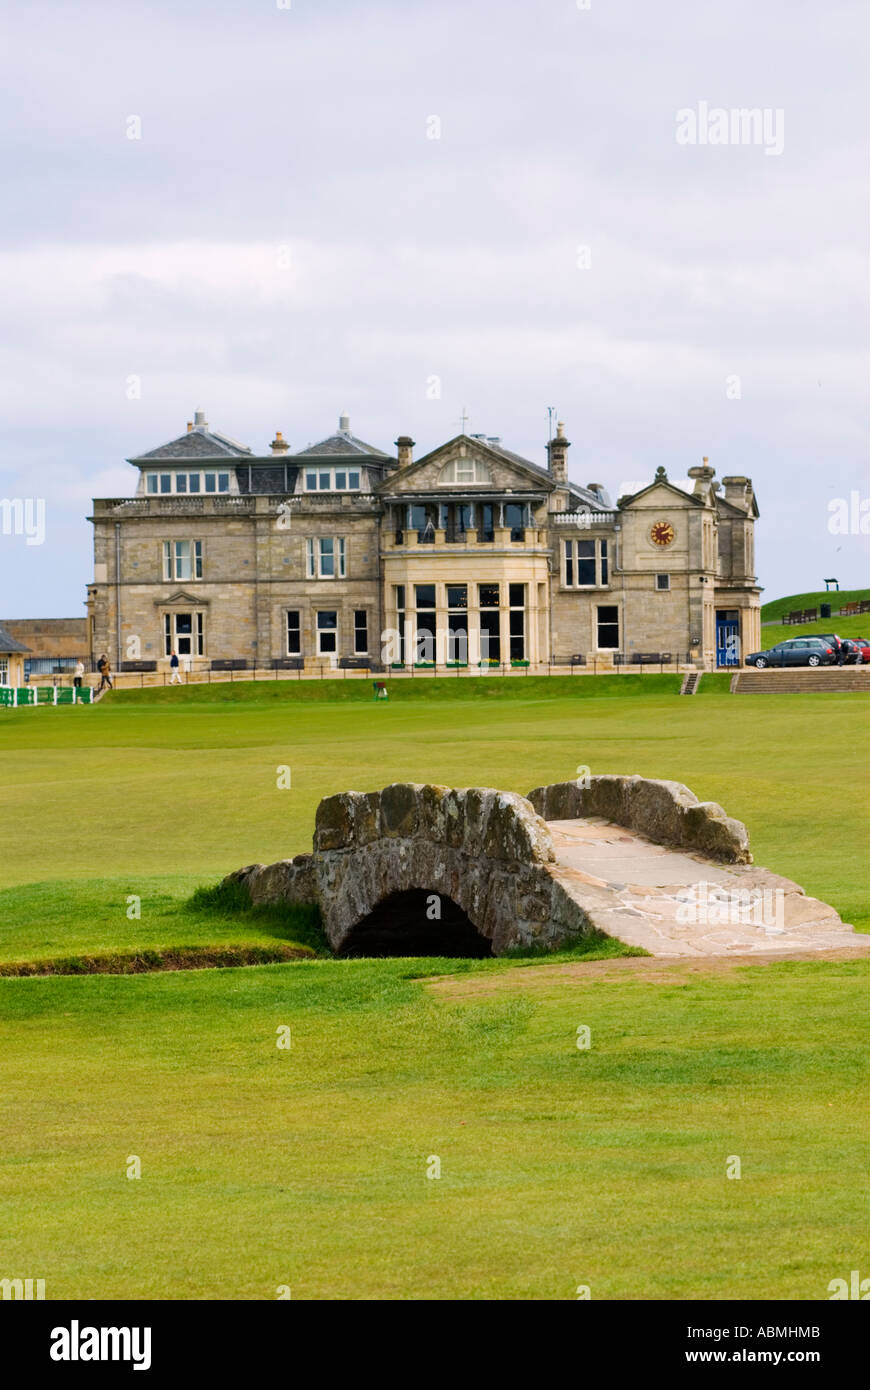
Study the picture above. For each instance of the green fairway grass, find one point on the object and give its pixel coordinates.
(307, 1167)
(152, 796)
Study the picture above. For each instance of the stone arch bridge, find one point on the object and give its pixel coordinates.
(429, 870)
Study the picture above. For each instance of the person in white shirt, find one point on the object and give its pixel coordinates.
(79, 675)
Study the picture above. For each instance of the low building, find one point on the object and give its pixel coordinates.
(54, 645)
(12, 654)
(342, 553)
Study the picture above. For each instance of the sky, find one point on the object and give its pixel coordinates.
(276, 212)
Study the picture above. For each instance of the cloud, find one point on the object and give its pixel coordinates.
(273, 135)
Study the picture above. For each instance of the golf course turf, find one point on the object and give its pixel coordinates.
(306, 1165)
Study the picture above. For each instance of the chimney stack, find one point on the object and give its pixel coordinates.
(279, 444)
(405, 446)
(738, 491)
(344, 423)
(199, 420)
(703, 479)
(557, 451)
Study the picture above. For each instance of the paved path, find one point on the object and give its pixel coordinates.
(675, 903)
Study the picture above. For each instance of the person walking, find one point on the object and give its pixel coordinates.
(105, 674)
(78, 675)
(175, 678)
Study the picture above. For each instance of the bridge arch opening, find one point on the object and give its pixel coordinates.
(416, 922)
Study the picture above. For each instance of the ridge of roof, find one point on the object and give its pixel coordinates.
(8, 643)
(340, 444)
(197, 443)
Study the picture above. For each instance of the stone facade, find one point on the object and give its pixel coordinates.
(469, 556)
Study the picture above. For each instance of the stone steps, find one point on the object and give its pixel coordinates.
(836, 679)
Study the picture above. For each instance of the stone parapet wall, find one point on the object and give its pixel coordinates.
(666, 812)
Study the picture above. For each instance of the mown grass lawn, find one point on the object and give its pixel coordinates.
(307, 1167)
(149, 795)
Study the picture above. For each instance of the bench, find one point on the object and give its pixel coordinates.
(229, 663)
(578, 659)
(138, 666)
(650, 658)
(287, 663)
(354, 663)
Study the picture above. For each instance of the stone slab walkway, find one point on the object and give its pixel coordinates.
(676, 903)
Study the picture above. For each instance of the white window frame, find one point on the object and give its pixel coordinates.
(220, 482)
(196, 636)
(315, 556)
(298, 630)
(330, 474)
(357, 629)
(326, 631)
(171, 561)
(450, 473)
(571, 559)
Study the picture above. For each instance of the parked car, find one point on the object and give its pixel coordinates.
(855, 651)
(838, 643)
(797, 651)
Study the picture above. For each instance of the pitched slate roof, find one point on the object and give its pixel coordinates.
(582, 494)
(341, 444)
(200, 442)
(8, 644)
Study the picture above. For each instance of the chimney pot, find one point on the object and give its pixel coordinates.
(557, 453)
(405, 446)
(344, 423)
(189, 426)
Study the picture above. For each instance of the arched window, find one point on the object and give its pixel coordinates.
(465, 470)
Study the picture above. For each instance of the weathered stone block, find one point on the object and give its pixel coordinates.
(560, 801)
(434, 801)
(367, 818)
(708, 829)
(399, 809)
(334, 821)
(515, 832)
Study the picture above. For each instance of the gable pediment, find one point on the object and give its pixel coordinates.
(661, 493)
(182, 599)
(465, 455)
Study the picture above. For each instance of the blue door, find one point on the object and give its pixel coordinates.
(727, 642)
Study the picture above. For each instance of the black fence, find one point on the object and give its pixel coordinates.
(221, 669)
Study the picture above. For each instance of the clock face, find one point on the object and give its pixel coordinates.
(661, 533)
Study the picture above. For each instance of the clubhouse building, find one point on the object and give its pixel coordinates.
(344, 554)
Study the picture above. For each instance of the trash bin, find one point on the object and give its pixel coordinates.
(825, 610)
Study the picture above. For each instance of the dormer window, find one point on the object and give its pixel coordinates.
(182, 484)
(464, 472)
(332, 480)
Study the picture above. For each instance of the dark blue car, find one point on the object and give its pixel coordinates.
(797, 651)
